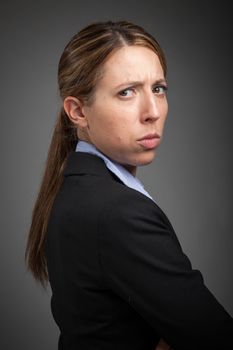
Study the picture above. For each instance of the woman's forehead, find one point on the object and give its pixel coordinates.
(131, 63)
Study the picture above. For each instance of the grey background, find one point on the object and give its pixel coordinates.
(191, 178)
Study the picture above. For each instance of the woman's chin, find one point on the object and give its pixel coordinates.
(147, 157)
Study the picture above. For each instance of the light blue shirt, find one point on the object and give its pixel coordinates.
(124, 175)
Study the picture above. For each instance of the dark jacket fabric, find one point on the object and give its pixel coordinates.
(119, 277)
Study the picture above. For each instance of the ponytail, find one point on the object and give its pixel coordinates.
(63, 142)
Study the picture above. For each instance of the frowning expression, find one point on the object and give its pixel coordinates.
(126, 119)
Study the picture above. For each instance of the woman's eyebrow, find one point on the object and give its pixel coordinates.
(140, 83)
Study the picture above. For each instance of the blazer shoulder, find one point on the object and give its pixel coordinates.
(125, 202)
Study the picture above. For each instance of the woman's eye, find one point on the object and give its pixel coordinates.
(126, 93)
(160, 90)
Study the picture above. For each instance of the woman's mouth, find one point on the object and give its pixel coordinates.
(149, 141)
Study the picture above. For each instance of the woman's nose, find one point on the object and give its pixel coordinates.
(150, 108)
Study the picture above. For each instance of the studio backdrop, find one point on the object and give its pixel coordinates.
(191, 177)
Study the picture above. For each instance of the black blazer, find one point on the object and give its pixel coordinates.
(119, 277)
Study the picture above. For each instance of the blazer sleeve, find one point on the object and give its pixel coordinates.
(142, 261)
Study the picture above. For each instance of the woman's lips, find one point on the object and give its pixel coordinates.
(150, 141)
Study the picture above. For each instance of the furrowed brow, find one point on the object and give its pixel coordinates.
(139, 83)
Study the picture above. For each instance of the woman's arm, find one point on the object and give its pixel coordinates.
(143, 262)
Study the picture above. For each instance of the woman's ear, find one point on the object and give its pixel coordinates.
(74, 110)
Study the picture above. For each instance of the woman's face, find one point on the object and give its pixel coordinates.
(126, 119)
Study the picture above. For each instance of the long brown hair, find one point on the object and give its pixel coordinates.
(79, 71)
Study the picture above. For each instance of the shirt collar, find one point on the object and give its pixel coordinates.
(122, 173)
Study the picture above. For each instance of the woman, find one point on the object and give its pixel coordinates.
(118, 275)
